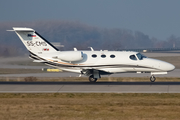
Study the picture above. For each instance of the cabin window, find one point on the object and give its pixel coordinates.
(133, 57)
(140, 56)
(103, 56)
(94, 55)
(112, 56)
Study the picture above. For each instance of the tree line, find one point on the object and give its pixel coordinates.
(79, 35)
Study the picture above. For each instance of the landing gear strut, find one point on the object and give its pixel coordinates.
(152, 78)
(92, 79)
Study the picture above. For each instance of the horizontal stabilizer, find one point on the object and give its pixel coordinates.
(22, 29)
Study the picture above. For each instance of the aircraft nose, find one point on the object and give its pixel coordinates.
(167, 66)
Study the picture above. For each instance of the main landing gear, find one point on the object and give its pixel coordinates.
(92, 79)
(152, 78)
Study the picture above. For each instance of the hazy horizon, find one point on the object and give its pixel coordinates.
(159, 19)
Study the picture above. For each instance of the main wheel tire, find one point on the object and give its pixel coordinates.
(152, 78)
(92, 79)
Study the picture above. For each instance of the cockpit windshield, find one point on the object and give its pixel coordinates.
(140, 56)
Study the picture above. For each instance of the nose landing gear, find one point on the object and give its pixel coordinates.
(152, 78)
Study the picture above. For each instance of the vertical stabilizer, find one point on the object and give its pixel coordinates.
(33, 41)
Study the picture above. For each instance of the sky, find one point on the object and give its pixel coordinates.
(156, 18)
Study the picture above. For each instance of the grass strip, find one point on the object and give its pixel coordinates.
(82, 106)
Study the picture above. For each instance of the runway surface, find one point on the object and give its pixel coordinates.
(86, 87)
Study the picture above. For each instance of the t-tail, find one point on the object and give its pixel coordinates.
(34, 42)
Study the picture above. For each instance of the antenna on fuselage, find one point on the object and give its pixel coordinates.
(75, 49)
(91, 48)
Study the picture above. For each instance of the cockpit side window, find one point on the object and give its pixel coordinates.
(132, 57)
(140, 56)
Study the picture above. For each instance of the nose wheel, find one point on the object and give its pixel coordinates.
(92, 79)
(152, 78)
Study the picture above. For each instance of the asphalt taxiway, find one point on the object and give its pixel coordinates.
(174, 73)
(86, 87)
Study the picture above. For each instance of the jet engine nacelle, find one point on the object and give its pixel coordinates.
(71, 56)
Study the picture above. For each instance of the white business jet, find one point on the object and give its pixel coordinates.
(90, 63)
